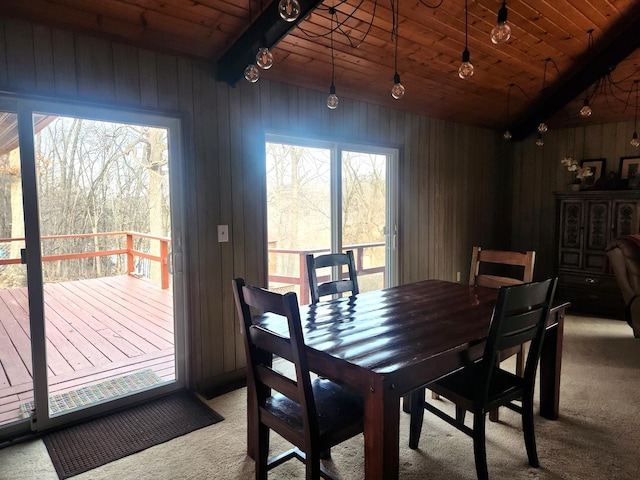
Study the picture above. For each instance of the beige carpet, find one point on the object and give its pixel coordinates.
(596, 437)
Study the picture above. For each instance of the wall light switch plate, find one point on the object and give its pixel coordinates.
(223, 233)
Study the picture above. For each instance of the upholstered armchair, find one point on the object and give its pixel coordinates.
(623, 254)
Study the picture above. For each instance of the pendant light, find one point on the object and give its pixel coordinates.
(397, 91)
(586, 111)
(507, 133)
(465, 71)
(540, 140)
(251, 73)
(634, 139)
(332, 99)
(264, 58)
(501, 33)
(289, 10)
(542, 126)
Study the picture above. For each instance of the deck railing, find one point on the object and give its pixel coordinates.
(130, 252)
(301, 279)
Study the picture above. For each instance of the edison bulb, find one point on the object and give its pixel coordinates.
(251, 73)
(332, 101)
(264, 58)
(543, 127)
(585, 111)
(397, 91)
(507, 135)
(466, 70)
(539, 141)
(634, 140)
(289, 10)
(501, 33)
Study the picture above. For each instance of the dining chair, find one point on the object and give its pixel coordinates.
(313, 415)
(501, 268)
(519, 316)
(485, 272)
(333, 286)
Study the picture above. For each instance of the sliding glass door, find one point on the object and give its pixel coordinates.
(95, 319)
(329, 197)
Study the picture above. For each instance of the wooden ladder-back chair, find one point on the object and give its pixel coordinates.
(489, 268)
(336, 286)
(520, 315)
(501, 268)
(313, 415)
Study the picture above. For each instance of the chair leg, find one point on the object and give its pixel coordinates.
(417, 415)
(312, 465)
(460, 414)
(528, 430)
(262, 449)
(520, 359)
(479, 446)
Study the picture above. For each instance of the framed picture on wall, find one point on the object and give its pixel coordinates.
(596, 166)
(629, 167)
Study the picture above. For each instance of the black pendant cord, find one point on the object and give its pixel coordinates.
(395, 6)
(332, 11)
(635, 122)
(466, 25)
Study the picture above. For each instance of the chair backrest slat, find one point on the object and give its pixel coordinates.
(320, 289)
(278, 381)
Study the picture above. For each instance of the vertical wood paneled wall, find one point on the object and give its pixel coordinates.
(538, 173)
(452, 184)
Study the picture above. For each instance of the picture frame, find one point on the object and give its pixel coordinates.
(629, 167)
(597, 166)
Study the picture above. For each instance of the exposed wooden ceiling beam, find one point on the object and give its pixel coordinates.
(266, 31)
(600, 65)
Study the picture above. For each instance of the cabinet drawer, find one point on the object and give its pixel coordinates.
(593, 301)
(595, 282)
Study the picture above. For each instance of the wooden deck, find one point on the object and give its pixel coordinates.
(96, 330)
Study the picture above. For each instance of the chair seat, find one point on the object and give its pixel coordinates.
(340, 413)
(459, 387)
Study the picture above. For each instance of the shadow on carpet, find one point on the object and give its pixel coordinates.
(88, 445)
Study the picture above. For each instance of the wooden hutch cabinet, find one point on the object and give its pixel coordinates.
(586, 222)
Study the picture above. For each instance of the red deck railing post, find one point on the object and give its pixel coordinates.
(129, 253)
(304, 279)
(164, 267)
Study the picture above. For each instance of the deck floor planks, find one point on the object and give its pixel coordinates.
(88, 324)
(15, 344)
(144, 308)
(60, 350)
(128, 321)
(158, 301)
(113, 326)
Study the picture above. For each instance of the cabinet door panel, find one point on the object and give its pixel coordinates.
(572, 218)
(598, 225)
(626, 218)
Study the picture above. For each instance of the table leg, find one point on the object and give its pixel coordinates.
(550, 366)
(381, 434)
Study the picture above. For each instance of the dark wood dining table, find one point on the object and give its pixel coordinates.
(384, 344)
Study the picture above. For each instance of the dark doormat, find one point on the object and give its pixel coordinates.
(76, 449)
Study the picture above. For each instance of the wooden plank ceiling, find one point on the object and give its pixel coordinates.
(431, 38)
